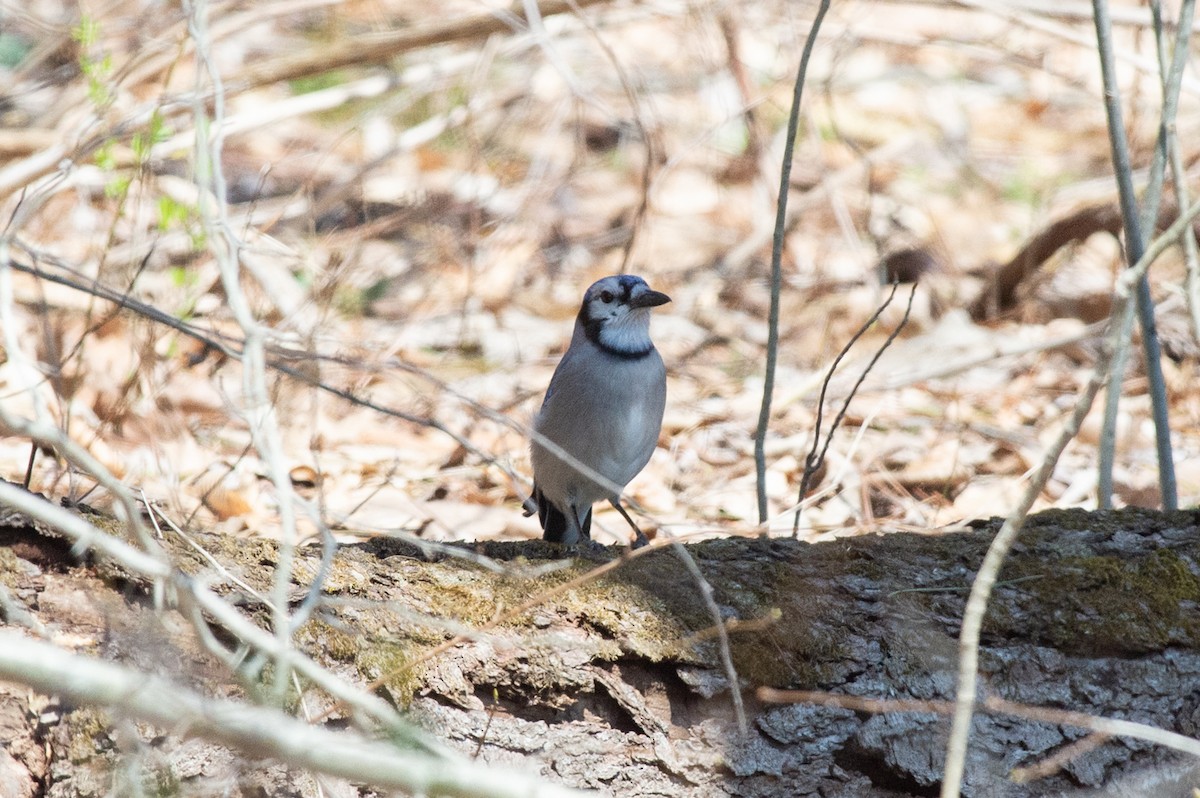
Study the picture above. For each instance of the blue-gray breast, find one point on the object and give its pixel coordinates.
(604, 408)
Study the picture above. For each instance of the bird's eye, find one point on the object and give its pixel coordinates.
(606, 297)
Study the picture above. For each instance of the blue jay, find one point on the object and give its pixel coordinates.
(604, 407)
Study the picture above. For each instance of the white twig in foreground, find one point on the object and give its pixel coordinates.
(226, 249)
(257, 731)
(981, 588)
(194, 596)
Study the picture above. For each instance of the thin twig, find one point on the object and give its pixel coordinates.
(259, 731)
(993, 705)
(196, 600)
(981, 588)
(385, 46)
(1135, 244)
(726, 654)
(1171, 80)
(1059, 759)
(813, 462)
(785, 180)
(226, 248)
(635, 102)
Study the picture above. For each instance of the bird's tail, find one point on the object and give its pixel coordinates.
(555, 525)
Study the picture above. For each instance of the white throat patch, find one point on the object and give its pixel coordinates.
(630, 333)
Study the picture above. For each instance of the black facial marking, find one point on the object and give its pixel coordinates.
(592, 326)
(619, 354)
(628, 281)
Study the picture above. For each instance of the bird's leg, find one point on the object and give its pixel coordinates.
(584, 545)
(639, 537)
(576, 528)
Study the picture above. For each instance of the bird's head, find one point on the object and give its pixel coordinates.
(616, 314)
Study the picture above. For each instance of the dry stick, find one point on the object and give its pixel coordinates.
(487, 727)
(258, 731)
(373, 49)
(785, 179)
(383, 47)
(737, 70)
(643, 207)
(1001, 293)
(148, 64)
(19, 175)
(1135, 243)
(212, 561)
(1191, 252)
(312, 598)
(813, 462)
(33, 448)
(706, 592)
(736, 625)
(993, 705)
(1170, 78)
(226, 249)
(1113, 726)
(981, 588)
(196, 600)
(1029, 18)
(53, 163)
(1059, 759)
(274, 113)
(1175, 155)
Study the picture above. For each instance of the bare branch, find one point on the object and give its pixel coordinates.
(257, 731)
(981, 588)
(785, 181)
(993, 705)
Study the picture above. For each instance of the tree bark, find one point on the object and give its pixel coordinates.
(616, 684)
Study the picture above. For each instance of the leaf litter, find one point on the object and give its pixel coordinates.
(424, 249)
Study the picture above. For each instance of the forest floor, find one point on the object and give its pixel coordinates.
(417, 230)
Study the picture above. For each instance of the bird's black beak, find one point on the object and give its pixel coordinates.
(649, 299)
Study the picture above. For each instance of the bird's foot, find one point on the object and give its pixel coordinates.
(588, 549)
